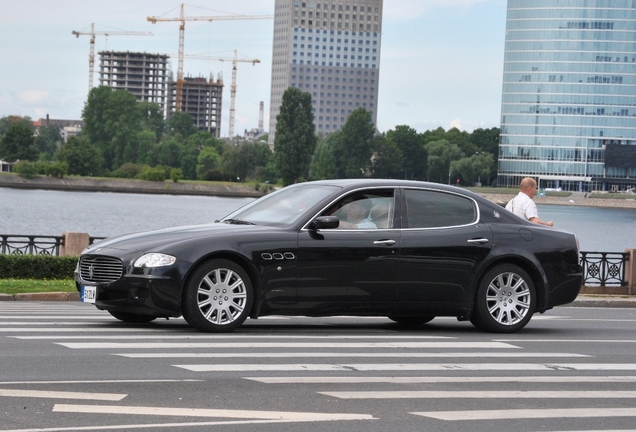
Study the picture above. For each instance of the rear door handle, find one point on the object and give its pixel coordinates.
(480, 241)
(384, 242)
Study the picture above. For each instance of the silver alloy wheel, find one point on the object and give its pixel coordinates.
(222, 296)
(508, 298)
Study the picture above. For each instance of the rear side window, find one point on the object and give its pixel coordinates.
(430, 209)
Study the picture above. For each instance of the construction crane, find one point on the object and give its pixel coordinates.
(91, 56)
(182, 20)
(234, 61)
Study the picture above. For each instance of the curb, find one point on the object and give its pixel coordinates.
(51, 296)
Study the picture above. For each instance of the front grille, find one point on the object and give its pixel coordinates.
(100, 269)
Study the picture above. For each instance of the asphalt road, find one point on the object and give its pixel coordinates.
(66, 366)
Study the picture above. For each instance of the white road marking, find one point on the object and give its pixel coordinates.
(364, 355)
(199, 412)
(629, 341)
(171, 426)
(60, 395)
(168, 333)
(529, 413)
(366, 367)
(441, 380)
(298, 345)
(515, 394)
(100, 381)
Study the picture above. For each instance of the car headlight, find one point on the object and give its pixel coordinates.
(154, 260)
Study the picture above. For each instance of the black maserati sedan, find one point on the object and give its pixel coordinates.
(410, 251)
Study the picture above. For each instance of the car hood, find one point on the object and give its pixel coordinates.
(158, 239)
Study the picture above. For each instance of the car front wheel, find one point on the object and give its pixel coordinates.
(505, 301)
(217, 297)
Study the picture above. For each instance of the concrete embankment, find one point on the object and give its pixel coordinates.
(168, 187)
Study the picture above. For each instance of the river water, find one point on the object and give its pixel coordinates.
(103, 214)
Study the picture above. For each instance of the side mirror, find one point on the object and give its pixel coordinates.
(325, 222)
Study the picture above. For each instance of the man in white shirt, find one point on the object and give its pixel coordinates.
(523, 206)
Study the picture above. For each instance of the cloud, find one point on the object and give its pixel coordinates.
(456, 123)
(34, 97)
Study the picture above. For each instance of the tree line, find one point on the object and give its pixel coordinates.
(125, 138)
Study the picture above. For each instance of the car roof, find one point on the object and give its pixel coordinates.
(350, 184)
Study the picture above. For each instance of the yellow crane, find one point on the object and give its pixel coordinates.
(234, 61)
(92, 33)
(182, 18)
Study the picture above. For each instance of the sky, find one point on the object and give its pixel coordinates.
(441, 61)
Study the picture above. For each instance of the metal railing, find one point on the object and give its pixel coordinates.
(599, 268)
(604, 268)
(15, 244)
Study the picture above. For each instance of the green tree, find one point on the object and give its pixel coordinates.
(208, 164)
(295, 140)
(181, 123)
(7, 122)
(353, 147)
(18, 143)
(323, 164)
(146, 149)
(440, 155)
(387, 160)
(474, 168)
(461, 139)
(188, 159)
(168, 152)
(152, 118)
(112, 121)
(81, 156)
(48, 140)
(411, 146)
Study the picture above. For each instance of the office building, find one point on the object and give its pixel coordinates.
(330, 49)
(568, 112)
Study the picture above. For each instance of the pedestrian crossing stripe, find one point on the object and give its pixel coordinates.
(517, 414)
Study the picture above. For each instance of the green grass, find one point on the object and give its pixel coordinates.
(20, 286)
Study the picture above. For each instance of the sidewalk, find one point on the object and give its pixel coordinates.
(581, 301)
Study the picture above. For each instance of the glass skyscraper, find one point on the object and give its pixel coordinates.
(568, 112)
(330, 49)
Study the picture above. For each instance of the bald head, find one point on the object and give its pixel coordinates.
(528, 186)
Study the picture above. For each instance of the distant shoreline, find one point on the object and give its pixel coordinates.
(86, 184)
(241, 190)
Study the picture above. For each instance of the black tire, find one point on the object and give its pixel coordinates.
(217, 297)
(506, 299)
(411, 321)
(128, 317)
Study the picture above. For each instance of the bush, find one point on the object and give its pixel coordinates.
(176, 174)
(36, 267)
(25, 169)
(157, 173)
(56, 169)
(129, 170)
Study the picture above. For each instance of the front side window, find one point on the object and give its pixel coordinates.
(431, 209)
(364, 210)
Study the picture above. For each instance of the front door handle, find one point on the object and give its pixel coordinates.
(384, 242)
(480, 241)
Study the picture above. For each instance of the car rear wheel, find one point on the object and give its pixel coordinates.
(505, 301)
(217, 297)
(128, 317)
(411, 321)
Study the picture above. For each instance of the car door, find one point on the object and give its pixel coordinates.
(351, 268)
(442, 245)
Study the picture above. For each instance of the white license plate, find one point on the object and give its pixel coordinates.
(88, 293)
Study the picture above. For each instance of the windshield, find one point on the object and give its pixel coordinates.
(282, 207)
